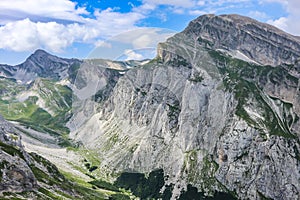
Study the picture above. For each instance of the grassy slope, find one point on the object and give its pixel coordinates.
(244, 80)
(54, 184)
(57, 97)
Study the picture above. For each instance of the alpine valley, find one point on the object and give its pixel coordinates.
(214, 116)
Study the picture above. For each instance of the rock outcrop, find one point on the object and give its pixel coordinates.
(15, 173)
(258, 41)
(41, 64)
(218, 108)
(28, 175)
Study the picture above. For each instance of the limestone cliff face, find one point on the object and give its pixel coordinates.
(15, 173)
(41, 65)
(261, 42)
(27, 175)
(210, 111)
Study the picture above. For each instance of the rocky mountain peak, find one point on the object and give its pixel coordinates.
(43, 64)
(42, 55)
(260, 42)
(42, 59)
(205, 117)
(40, 52)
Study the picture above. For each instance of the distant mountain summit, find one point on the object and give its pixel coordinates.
(258, 41)
(216, 113)
(40, 64)
(43, 64)
(218, 109)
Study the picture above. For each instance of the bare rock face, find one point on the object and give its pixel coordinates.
(41, 65)
(210, 111)
(15, 174)
(261, 42)
(26, 174)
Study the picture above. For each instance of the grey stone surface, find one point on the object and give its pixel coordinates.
(16, 175)
(178, 113)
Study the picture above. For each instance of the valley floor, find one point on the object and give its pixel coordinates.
(46, 146)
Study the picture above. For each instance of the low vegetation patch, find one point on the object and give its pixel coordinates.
(139, 185)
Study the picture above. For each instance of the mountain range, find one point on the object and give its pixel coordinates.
(214, 116)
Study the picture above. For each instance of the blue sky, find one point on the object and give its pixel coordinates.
(75, 28)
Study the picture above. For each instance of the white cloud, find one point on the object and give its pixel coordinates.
(197, 12)
(58, 9)
(18, 36)
(222, 2)
(284, 2)
(110, 22)
(258, 15)
(141, 40)
(144, 8)
(200, 3)
(131, 55)
(178, 11)
(289, 23)
(26, 35)
(176, 3)
(293, 7)
(192, 3)
(144, 37)
(22, 31)
(194, 7)
(101, 43)
(280, 23)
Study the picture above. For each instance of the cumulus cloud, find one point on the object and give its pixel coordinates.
(58, 9)
(197, 12)
(110, 22)
(280, 23)
(258, 15)
(178, 11)
(200, 3)
(56, 25)
(143, 37)
(27, 35)
(192, 3)
(18, 36)
(198, 7)
(288, 23)
(176, 3)
(101, 43)
(273, 1)
(131, 55)
(142, 41)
